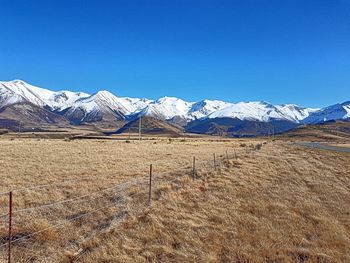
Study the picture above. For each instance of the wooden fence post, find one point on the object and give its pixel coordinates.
(150, 184)
(194, 168)
(235, 154)
(10, 228)
(214, 162)
(227, 158)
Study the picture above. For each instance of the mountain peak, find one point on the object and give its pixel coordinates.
(169, 99)
(104, 93)
(92, 107)
(17, 81)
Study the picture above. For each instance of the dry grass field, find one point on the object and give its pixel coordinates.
(89, 203)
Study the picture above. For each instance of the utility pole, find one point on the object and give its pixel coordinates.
(140, 128)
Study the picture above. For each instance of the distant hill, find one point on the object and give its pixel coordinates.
(238, 128)
(25, 116)
(328, 131)
(151, 125)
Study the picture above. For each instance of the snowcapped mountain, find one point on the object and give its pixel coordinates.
(294, 113)
(167, 108)
(204, 108)
(262, 111)
(334, 112)
(104, 107)
(17, 91)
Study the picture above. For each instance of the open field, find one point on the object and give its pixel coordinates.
(280, 203)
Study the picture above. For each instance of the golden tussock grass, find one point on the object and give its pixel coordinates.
(282, 203)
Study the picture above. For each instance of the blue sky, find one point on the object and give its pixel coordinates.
(294, 51)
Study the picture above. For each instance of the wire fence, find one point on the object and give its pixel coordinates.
(20, 228)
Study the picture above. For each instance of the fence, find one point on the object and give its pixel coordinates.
(21, 228)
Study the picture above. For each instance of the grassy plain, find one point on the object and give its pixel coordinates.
(282, 203)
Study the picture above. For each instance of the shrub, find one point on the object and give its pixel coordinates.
(258, 146)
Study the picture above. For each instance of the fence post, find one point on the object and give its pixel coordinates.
(10, 228)
(235, 154)
(194, 168)
(214, 162)
(227, 158)
(150, 184)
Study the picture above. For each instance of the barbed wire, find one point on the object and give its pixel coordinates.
(204, 164)
(57, 225)
(208, 163)
(71, 199)
(48, 184)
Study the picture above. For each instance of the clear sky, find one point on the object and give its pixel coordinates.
(279, 51)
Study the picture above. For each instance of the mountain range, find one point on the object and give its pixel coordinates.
(31, 106)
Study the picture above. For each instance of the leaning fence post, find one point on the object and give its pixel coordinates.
(227, 158)
(150, 184)
(214, 161)
(194, 168)
(10, 228)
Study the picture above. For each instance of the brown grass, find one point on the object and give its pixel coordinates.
(281, 203)
(338, 131)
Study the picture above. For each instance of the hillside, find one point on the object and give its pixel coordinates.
(151, 126)
(26, 116)
(328, 131)
(238, 128)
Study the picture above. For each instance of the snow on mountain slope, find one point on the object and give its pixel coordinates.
(105, 104)
(35, 95)
(133, 105)
(23, 91)
(94, 107)
(293, 112)
(167, 108)
(79, 106)
(253, 111)
(334, 112)
(8, 97)
(262, 111)
(64, 99)
(203, 108)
